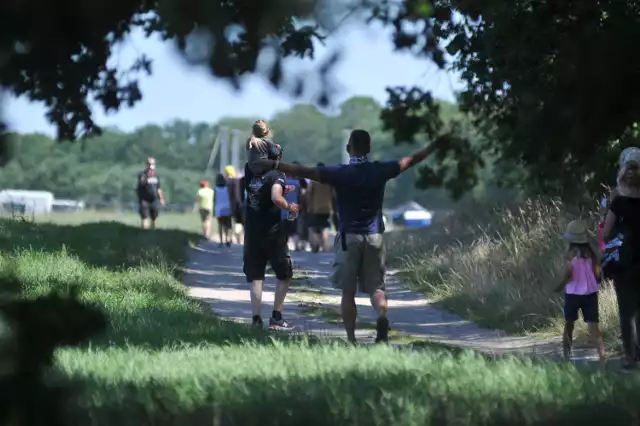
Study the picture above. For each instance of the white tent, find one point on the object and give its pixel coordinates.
(411, 214)
(24, 201)
(68, 205)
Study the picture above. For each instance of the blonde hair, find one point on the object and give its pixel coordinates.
(259, 130)
(625, 183)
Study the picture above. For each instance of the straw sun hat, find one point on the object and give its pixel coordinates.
(576, 233)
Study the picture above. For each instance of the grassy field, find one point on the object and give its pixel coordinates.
(189, 222)
(499, 267)
(165, 360)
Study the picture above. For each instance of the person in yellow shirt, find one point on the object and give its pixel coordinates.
(204, 201)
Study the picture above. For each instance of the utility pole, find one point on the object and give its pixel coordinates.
(345, 155)
(224, 149)
(235, 149)
(214, 150)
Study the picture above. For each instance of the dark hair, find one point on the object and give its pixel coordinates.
(220, 180)
(360, 142)
(584, 250)
(320, 164)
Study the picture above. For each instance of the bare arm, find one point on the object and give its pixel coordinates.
(277, 196)
(299, 171)
(566, 277)
(161, 195)
(415, 158)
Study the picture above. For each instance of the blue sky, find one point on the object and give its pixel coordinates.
(178, 90)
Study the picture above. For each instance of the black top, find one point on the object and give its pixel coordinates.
(148, 185)
(262, 216)
(627, 211)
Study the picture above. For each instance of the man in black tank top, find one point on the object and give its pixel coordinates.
(150, 195)
(265, 239)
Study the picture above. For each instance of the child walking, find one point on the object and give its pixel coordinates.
(580, 284)
(222, 210)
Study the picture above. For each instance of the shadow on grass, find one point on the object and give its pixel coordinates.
(109, 245)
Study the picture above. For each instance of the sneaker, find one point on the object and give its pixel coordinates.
(257, 323)
(315, 248)
(629, 365)
(228, 243)
(382, 330)
(281, 324)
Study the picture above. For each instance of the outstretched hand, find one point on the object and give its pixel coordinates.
(294, 208)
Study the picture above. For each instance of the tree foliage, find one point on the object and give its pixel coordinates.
(101, 169)
(57, 51)
(550, 85)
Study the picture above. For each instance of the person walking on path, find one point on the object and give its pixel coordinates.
(236, 197)
(319, 208)
(265, 239)
(150, 195)
(580, 285)
(301, 237)
(222, 208)
(294, 196)
(204, 202)
(623, 217)
(359, 251)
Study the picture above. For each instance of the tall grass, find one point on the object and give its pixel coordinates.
(499, 267)
(165, 360)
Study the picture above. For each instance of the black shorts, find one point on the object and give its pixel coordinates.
(302, 228)
(205, 214)
(149, 209)
(260, 249)
(587, 303)
(319, 222)
(290, 227)
(224, 222)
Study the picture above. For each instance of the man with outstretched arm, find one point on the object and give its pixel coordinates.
(265, 238)
(358, 247)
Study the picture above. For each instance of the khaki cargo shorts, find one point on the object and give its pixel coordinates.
(361, 266)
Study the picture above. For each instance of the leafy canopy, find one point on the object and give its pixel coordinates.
(550, 84)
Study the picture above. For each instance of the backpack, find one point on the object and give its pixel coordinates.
(610, 263)
(319, 198)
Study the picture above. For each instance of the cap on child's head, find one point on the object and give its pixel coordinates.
(576, 233)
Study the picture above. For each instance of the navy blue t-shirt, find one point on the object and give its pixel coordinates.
(262, 216)
(360, 193)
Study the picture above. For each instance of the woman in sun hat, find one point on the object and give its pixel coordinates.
(580, 282)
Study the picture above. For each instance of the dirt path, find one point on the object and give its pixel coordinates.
(215, 275)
